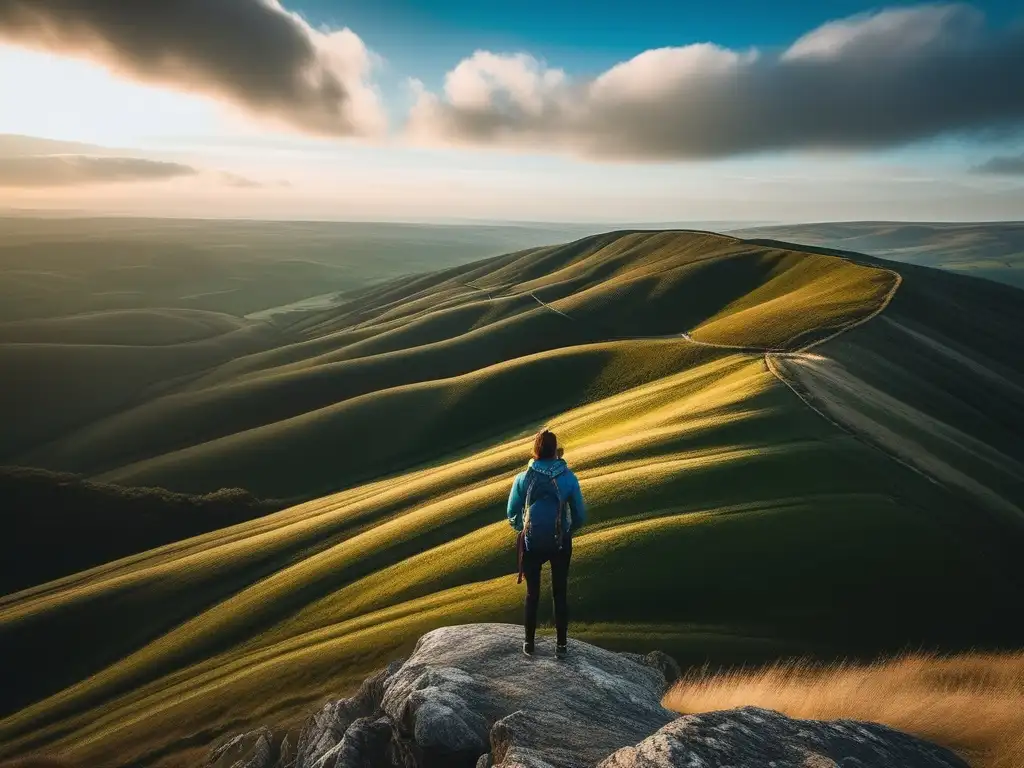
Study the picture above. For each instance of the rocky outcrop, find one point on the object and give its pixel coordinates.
(323, 739)
(756, 737)
(468, 697)
(462, 682)
(256, 748)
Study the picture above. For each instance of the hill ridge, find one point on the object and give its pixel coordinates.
(770, 355)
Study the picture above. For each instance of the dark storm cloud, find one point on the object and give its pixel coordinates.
(75, 170)
(251, 52)
(871, 81)
(1009, 165)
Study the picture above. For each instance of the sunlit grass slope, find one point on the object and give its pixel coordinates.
(714, 497)
(419, 348)
(730, 521)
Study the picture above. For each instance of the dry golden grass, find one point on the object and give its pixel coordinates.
(971, 703)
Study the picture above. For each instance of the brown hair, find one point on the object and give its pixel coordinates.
(545, 445)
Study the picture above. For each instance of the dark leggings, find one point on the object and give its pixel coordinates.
(532, 563)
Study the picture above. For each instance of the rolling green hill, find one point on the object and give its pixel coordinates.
(784, 452)
(443, 352)
(53, 267)
(993, 250)
(96, 370)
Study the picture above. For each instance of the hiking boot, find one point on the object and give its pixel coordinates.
(528, 648)
(561, 650)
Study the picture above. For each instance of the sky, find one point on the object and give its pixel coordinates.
(539, 110)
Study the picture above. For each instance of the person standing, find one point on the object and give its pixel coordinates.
(545, 506)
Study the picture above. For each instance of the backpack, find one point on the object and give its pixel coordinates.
(543, 514)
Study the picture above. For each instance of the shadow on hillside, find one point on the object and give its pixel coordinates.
(56, 524)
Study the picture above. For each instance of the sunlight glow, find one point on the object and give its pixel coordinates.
(47, 95)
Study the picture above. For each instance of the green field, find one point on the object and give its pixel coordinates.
(124, 307)
(65, 266)
(785, 452)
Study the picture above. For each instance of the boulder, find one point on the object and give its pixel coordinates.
(320, 743)
(759, 737)
(664, 663)
(467, 690)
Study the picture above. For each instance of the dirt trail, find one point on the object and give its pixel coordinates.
(548, 306)
(841, 415)
(795, 369)
(774, 360)
(914, 439)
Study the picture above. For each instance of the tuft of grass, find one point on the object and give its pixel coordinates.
(970, 703)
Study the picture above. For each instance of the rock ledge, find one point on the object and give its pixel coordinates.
(467, 697)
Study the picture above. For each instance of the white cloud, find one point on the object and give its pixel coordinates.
(477, 82)
(662, 71)
(877, 80)
(892, 32)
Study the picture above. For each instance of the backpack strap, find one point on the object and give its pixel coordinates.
(532, 476)
(559, 533)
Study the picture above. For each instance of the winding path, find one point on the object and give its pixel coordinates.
(773, 356)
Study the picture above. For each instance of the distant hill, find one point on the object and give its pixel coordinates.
(785, 452)
(56, 524)
(54, 266)
(992, 250)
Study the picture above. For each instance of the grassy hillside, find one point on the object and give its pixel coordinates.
(125, 308)
(993, 250)
(936, 383)
(58, 524)
(52, 267)
(99, 371)
(122, 328)
(443, 350)
(744, 506)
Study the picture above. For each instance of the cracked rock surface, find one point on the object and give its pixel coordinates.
(467, 697)
(759, 737)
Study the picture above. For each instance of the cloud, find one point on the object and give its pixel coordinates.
(75, 170)
(34, 162)
(253, 53)
(1008, 165)
(16, 145)
(229, 179)
(891, 33)
(239, 182)
(870, 81)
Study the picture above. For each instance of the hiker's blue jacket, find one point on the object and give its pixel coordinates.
(568, 489)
